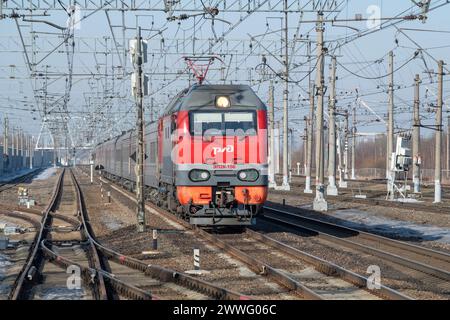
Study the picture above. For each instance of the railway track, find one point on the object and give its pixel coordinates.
(427, 207)
(36, 273)
(156, 276)
(431, 265)
(107, 273)
(318, 279)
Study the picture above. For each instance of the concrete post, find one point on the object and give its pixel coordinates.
(285, 185)
(354, 142)
(320, 203)
(346, 134)
(438, 136)
(309, 140)
(331, 188)
(416, 135)
(390, 131)
(448, 147)
(272, 182)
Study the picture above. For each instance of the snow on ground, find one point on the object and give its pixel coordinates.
(410, 200)
(47, 173)
(401, 229)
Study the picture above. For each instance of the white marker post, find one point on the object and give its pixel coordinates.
(155, 240)
(196, 259)
(92, 171)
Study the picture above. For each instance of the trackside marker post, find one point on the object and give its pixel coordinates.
(155, 240)
(196, 259)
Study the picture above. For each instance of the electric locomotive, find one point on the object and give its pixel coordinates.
(206, 156)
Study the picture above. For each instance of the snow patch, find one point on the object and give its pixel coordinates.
(408, 200)
(394, 228)
(47, 173)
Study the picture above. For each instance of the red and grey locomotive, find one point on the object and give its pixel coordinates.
(206, 156)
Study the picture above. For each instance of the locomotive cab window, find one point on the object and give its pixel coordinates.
(223, 123)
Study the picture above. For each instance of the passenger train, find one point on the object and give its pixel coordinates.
(205, 157)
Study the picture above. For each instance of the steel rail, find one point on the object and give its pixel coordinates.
(20, 284)
(21, 211)
(254, 264)
(86, 231)
(18, 215)
(442, 274)
(90, 274)
(327, 267)
(161, 273)
(426, 207)
(251, 262)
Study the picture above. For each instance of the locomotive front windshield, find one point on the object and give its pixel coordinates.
(223, 123)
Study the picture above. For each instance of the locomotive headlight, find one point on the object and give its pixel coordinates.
(204, 175)
(248, 175)
(223, 102)
(197, 175)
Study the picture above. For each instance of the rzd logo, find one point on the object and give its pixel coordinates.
(217, 150)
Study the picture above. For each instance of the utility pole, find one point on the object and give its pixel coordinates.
(15, 150)
(285, 186)
(140, 136)
(272, 182)
(54, 152)
(310, 125)
(438, 136)
(291, 148)
(22, 153)
(279, 155)
(342, 183)
(390, 134)
(309, 141)
(6, 142)
(13, 141)
(331, 188)
(448, 146)
(276, 149)
(416, 135)
(305, 143)
(354, 142)
(31, 152)
(346, 145)
(152, 108)
(320, 203)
